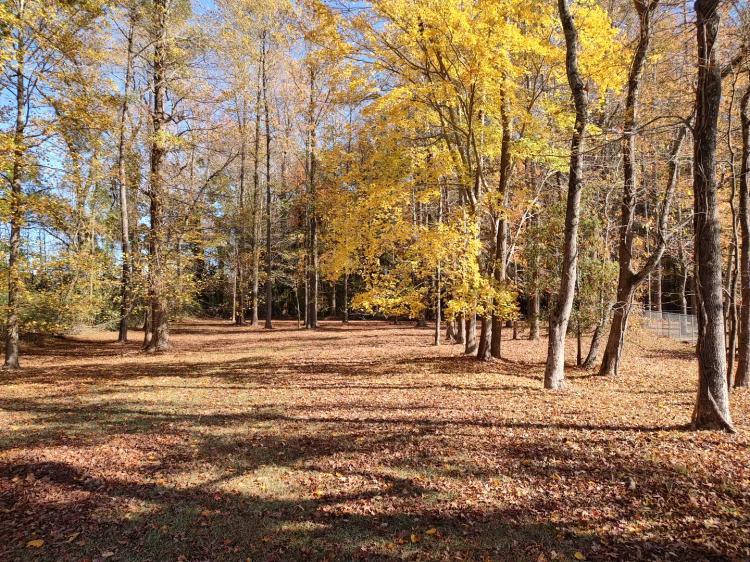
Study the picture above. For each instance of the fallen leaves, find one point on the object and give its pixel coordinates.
(368, 444)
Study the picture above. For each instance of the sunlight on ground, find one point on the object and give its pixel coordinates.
(371, 444)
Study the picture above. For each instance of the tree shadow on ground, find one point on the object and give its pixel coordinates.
(305, 458)
(131, 518)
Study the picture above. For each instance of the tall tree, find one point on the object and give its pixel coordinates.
(628, 280)
(159, 334)
(742, 377)
(21, 43)
(712, 402)
(267, 119)
(127, 265)
(312, 208)
(554, 372)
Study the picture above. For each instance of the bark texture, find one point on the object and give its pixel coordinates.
(159, 340)
(712, 402)
(742, 376)
(628, 280)
(554, 372)
(501, 241)
(267, 118)
(470, 335)
(125, 303)
(12, 351)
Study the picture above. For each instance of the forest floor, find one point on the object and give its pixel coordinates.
(360, 443)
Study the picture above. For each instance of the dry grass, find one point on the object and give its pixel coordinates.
(363, 442)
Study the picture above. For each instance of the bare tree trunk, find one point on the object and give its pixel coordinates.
(659, 287)
(629, 280)
(159, 316)
(147, 327)
(312, 304)
(730, 303)
(346, 298)
(501, 242)
(742, 377)
(712, 402)
(16, 213)
(554, 372)
(234, 293)
(485, 339)
(471, 334)
(307, 296)
(438, 313)
(334, 304)
(269, 260)
(534, 317)
(438, 278)
(596, 341)
(125, 303)
(450, 331)
(257, 202)
(460, 336)
(239, 277)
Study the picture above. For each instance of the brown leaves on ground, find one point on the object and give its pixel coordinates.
(361, 442)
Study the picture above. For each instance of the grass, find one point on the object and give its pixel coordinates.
(360, 443)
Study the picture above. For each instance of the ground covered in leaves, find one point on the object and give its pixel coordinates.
(360, 443)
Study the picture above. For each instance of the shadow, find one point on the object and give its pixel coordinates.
(360, 447)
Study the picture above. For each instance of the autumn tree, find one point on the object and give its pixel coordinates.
(712, 402)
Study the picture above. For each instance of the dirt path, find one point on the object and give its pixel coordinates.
(363, 442)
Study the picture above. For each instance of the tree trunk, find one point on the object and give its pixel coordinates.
(306, 295)
(312, 304)
(450, 331)
(501, 242)
(257, 201)
(471, 334)
(485, 339)
(659, 279)
(12, 352)
(460, 336)
(628, 280)
(534, 316)
(346, 298)
(742, 376)
(334, 305)
(596, 341)
(730, 304)
(269, 261)
(239, 277)
(554, 372)
(159, 315)
(125, 303)
(438, 312)
(438, 278)
(712, 402)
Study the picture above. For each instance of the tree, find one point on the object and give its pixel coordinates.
(554, 376)
(712, 402)
(127, 259)
(158, 338)
(742, 377)
(43, 43)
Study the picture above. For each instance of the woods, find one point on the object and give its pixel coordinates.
(290, 146)
(531, 186)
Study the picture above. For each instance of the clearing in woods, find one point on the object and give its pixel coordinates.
(360, 442)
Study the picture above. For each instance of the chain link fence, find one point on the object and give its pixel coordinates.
(682, 327)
